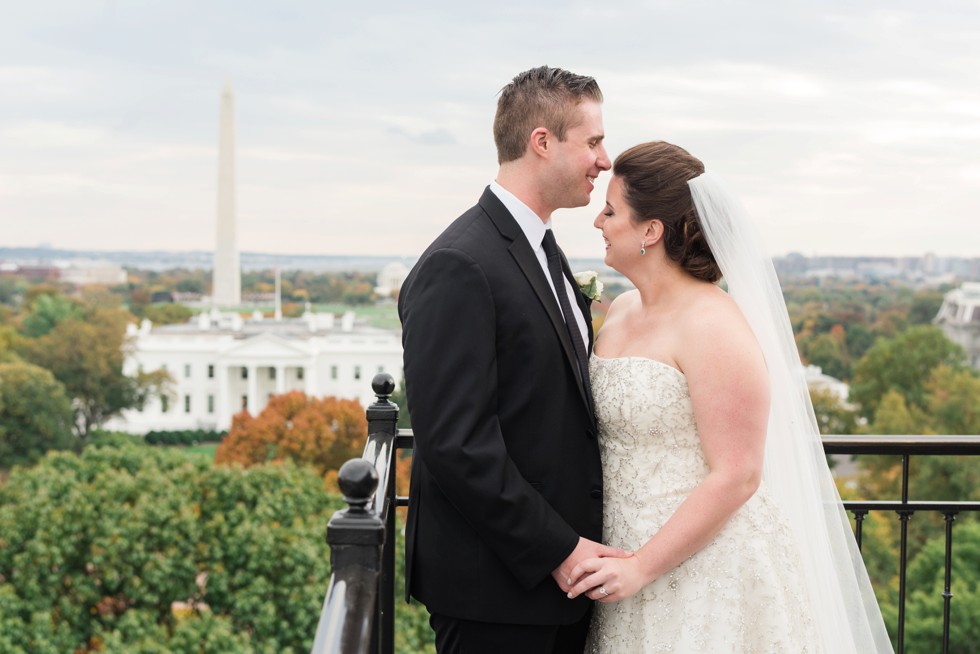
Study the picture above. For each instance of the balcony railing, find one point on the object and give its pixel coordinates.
(906, 447)
(358, 615)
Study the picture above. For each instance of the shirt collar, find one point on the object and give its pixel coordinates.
(529, 222)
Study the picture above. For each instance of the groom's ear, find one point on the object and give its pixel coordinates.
(540, 140)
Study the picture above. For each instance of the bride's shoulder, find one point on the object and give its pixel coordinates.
(712, 312)
(623, 301)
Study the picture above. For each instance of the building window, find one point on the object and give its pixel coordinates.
(244, 402)
(210, 403)
(357, 372)
(187, 404)
(164, 403)
(187, 371)
(333, 372)
(381, 369)
(244, 372)
(299, 373)
(211, 372)
(272, 373)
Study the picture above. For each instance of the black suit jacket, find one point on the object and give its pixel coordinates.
(506, 473)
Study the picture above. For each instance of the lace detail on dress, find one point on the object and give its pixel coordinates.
(742, 593)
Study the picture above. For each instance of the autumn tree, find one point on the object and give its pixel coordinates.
(321, 432)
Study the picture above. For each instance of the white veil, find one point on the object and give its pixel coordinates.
(796, 472)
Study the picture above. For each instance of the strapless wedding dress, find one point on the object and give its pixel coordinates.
(742, 592)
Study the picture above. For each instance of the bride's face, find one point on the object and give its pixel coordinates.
(622, 236)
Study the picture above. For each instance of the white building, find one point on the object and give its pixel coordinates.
(818, 381)
(391, 278)
(221, 364)
(959, 318)
(85, 272)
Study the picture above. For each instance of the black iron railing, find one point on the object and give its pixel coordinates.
(907, 447)
(359, 611)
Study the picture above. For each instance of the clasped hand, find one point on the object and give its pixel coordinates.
(592, 566)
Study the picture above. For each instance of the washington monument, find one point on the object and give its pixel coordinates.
(226, 288)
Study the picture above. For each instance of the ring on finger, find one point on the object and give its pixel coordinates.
(602, 591)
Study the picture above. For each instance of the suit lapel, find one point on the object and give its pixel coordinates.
(525, 258)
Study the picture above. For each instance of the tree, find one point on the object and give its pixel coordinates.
(87, 357)
(168, 313)
(321, 432)
(925, 580)
(953, 401)
(833, 416)
(47, 311)
(828, 352)
(903, 364)
(137, 549)
(925, 306)
(35, 414)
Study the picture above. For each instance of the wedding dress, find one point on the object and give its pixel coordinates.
(741, 593)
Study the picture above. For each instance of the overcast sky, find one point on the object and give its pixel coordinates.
(365, 127)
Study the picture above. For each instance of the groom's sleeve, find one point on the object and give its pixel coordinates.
(449, 336)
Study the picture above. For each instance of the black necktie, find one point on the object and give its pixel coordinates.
(558, 278)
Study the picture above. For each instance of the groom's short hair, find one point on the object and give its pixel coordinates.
(540, 97)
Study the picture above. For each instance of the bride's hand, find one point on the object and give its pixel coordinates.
(608, 579)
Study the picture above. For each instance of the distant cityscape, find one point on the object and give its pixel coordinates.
(928, 269)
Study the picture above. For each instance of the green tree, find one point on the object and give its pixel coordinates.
(35, 414)
(827, 352)
(924, 606)
(137, 549)
(87, 357)
(903, 364)
(925, 306)
(47, 311)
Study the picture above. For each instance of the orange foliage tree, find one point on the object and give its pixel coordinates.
(321, 432)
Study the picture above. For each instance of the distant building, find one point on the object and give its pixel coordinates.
(88, 272)
(818, 381)
(959, 318)
(222, 364)
(391, 278)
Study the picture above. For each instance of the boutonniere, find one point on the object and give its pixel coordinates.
(589, 284)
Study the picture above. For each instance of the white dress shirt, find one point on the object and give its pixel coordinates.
(534, 229)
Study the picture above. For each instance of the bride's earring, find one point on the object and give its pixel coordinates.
(643, 247)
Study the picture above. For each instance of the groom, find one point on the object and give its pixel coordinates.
(506, 488)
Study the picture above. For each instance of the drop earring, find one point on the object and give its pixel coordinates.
(643, 247)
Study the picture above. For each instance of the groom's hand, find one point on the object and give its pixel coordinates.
(586, 549)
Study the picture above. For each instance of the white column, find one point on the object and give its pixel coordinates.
(280, 379)
(309, 379)
(253, 389)
(221, 408)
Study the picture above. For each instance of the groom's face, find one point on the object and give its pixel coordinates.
(579, 159)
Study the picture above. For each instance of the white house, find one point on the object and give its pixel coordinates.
(221, 364)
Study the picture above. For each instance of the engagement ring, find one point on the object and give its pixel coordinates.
(602, 590)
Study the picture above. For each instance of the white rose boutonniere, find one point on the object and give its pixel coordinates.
(589, 284)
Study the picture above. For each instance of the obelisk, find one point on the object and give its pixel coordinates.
(226, 288)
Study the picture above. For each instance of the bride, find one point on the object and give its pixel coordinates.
(714, 474)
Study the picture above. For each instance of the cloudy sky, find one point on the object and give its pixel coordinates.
(364, 128)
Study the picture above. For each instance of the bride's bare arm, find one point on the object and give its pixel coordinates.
(729, 390)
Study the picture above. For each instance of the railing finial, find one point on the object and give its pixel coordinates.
(383, 385)
(358, 480)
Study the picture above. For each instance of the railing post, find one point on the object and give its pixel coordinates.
(382, 417)
(355, 536)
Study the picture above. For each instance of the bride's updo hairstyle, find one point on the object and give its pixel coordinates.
(655, 177)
